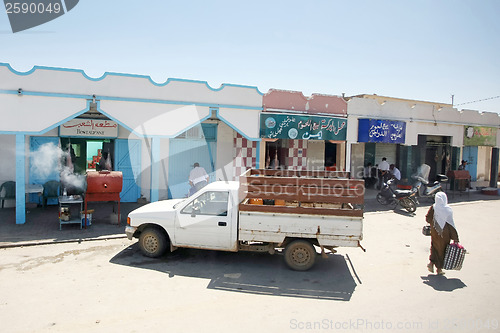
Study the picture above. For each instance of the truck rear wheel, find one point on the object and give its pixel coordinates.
(300, 255)
(153, 243)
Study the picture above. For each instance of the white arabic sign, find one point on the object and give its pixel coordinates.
(381, 130)
(394, 130)
(94, 128)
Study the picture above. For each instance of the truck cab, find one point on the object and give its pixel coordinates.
(208, 219)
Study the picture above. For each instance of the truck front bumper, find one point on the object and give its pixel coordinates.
(130, 231)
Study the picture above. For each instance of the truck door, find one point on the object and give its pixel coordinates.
(205, 222)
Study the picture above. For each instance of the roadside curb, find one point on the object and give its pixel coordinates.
(51, 242)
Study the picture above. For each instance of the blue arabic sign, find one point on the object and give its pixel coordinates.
(377, 130)
(302, 127)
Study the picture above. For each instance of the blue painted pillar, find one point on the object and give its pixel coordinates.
(155, 168)
(20, 179)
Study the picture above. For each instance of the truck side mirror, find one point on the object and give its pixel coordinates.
(196, 210)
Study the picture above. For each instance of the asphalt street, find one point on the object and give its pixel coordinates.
(108, 286)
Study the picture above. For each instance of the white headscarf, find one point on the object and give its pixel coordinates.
(442, 212)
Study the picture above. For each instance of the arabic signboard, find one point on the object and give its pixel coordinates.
(89, 128)
(480, 136)
(379, 130)
(302, 127)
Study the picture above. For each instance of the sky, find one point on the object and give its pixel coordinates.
(422, 50)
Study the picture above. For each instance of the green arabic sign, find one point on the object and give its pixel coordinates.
(480, 136)
(302, 127)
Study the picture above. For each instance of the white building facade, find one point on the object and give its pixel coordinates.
(423, 132)
(153, 132)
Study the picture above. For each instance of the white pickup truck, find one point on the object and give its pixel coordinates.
(265, 211)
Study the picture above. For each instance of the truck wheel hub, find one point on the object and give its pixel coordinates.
(151, 243)
(300, 255)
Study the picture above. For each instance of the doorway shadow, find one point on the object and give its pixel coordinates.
(442, 283)
(253, 273)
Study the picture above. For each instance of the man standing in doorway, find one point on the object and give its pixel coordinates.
(383, 172)
(198, 178)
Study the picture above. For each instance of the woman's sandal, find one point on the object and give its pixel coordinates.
(430, 267)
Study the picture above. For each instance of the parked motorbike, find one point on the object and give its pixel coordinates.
(427, 190)
(393, 197)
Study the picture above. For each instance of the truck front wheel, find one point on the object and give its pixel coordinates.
(153, 243)
(300, 255)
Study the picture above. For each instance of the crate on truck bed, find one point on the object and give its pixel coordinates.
(329, 193)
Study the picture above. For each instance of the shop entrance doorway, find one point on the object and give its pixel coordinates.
(437, 154)
(86, 154)
(331, 156)
(470, 154)
(275, 157)
(107, 154)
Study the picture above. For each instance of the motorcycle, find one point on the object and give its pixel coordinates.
(427, 190)
(393, 197)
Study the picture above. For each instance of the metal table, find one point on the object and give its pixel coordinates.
(67, 201)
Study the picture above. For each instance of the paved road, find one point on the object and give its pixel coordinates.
(107, 286)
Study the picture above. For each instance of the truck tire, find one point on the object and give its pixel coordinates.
(153, 243)
(300, 255)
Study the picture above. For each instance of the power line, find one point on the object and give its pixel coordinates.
(479, 100)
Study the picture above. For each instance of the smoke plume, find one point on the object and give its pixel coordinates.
(48, 159)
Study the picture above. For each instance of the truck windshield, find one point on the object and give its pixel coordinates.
(209, 203)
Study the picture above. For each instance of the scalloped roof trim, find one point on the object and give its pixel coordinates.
(102, 77)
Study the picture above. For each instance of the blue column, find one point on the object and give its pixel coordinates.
(155, 168)
(20, 179)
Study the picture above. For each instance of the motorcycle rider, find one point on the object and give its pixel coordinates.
(383, 172)
(396, 174)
